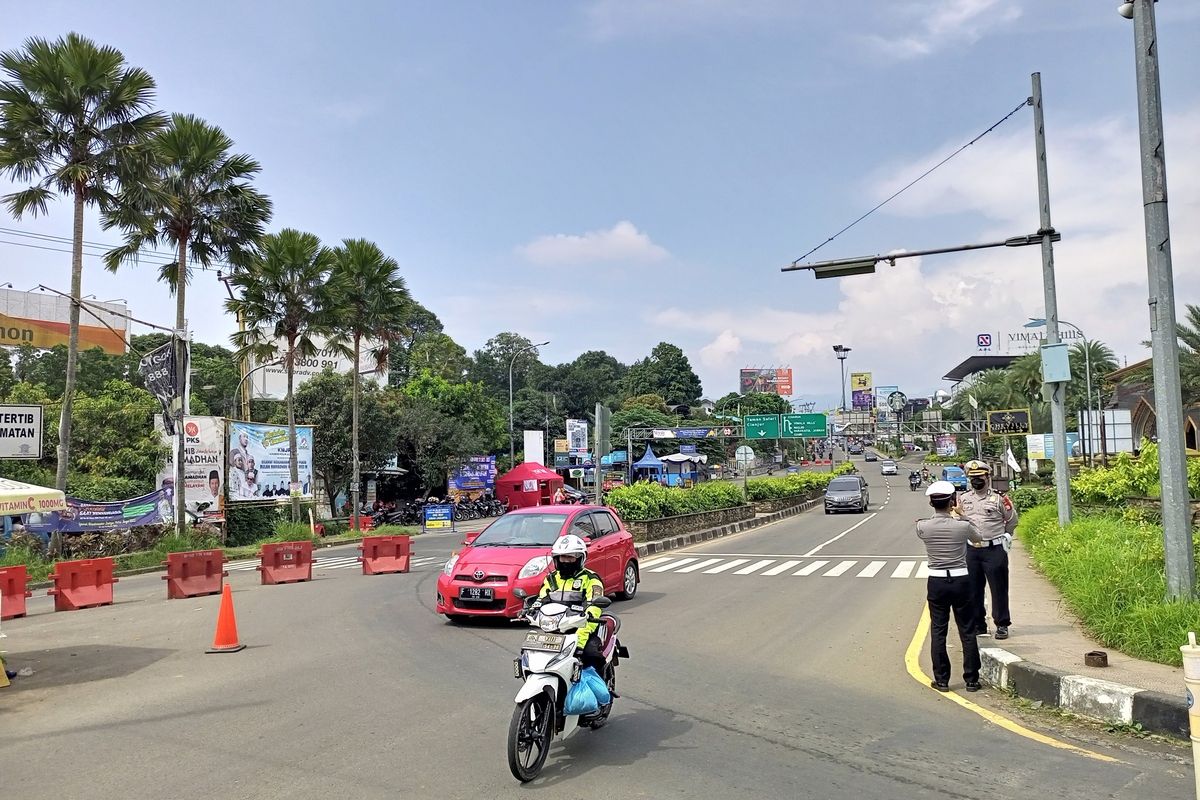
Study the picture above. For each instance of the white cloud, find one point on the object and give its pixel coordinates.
(930, 25)
(621, 243)
(721, 350)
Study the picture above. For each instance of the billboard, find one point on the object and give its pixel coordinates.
(203, 464)
(861, 392)
(43, 320)
(535, 447)
(881, 397)
(1008, 421)
(1041, 445)
(270, 383)
(259, 462)
(473, 476)
(947, 445)
(767, 380)
(20, 431)
(577, 436)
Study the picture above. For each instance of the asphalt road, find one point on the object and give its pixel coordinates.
(744, 679)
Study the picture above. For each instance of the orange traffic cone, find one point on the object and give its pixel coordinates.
(226, 639)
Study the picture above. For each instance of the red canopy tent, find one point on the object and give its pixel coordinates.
(527, 485)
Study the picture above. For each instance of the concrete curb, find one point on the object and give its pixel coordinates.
(687, 539)
(1084, 695)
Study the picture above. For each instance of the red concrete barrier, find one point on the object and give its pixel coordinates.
(194, 573)
(13, 592)
(286, 562)
(82, 584)
(382, 555)
(365, 523)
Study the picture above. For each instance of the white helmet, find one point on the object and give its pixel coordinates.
(941, 489)
(569, 545)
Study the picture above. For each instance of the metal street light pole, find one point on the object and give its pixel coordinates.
(512, 457)
(1172, 462)
(842, 351)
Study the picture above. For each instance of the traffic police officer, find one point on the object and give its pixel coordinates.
(949, 585)
(996, 519)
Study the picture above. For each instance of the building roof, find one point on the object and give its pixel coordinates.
(1118, 375)
(978, 364)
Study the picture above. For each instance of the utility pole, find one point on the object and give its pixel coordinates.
(1176, 511)
(1058, 415)
(243, 366)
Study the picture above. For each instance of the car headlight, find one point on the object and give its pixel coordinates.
(534, 566)
(446, 570)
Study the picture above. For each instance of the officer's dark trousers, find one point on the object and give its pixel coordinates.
(989, 567)
(945, 595)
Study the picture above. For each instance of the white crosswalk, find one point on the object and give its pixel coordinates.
(800, 567)
(339, 562)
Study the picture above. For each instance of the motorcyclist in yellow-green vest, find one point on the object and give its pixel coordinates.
(571, 583)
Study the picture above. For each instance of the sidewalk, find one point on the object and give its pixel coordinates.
(1051, 642)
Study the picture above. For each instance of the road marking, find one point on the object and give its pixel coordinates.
(819, 547)
(839, 569)
(912, 662)
(673, 565)
(923, 570)
(755, 566)
(725, 566)
(652, 562)
(870, 570)
(811, 568)
(701, 565)
(784, 567)
(904, 569)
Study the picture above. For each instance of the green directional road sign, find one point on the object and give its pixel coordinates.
(804, 426)
(761, 426)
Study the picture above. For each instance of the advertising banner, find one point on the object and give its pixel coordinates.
(158, 371)
(947, 445)
(766, 380)
(577, 436)
(42, 320)
(270, 383)
(437, 518)
(881, 397)
(861, 392)
(20, 431)
(535, 447)
(89, 516)
(259, 462)
(1013, 421)
(1041, 445)
(473, 476)
(203, 464)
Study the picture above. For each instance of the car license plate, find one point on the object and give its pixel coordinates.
(479, 593)
(548, 642)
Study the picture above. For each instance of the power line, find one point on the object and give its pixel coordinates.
(148, 253)
(916, 180)
(145, 260)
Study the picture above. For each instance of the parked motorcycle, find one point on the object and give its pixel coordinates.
(549, 667)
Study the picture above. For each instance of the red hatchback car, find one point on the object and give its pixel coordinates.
(514, 553)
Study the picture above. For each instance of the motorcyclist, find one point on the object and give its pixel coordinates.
(571, 584)
(914, 478)
(925, 476)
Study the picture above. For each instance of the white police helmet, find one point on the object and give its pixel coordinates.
(941, 489)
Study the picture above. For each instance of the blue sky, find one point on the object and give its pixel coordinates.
(607, 174)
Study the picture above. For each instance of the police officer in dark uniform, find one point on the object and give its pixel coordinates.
(949, 585)
(996, 519)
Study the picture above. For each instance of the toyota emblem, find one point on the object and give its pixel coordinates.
(478, 575)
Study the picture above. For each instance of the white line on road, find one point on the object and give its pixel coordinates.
(839, 569)
(811, 568)
(701, 565)
(784, 567)
(755, 566)
(903, 569)
(673, 565)
(923, 570)
(871, 570)
(654, 561)
(819, 547)
(725, 566)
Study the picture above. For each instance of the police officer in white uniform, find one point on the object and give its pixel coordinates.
(993, 514)
(949, 585)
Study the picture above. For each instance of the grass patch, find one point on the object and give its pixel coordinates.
(1110, 572)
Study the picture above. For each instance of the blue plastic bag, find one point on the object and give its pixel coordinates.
(597, 684)
(580, 699)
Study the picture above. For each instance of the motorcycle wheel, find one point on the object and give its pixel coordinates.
(529, 736)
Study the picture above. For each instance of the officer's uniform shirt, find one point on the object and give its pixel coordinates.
(992, 513)
(946, 540)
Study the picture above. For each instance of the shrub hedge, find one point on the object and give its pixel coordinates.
(645, 501)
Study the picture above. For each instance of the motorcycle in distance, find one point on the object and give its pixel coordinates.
(549, 667)
(914, 481)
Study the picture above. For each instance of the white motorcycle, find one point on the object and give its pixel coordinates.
(549, 667)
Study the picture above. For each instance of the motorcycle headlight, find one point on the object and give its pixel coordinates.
(446, 570)
(549, 624)
(534, 567)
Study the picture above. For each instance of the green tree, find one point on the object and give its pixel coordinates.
(754, 403)
(638, 417)
(655, 402)
(441, 355)
(326, 402)
(421, 323)
(666, 371)
(370, 301)
(490, 364)
(594, 377)
(73, 120)
(286, 302)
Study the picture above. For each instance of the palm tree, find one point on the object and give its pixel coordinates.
(286, 302)
(73, 119)
(1025, 376)
(372, 303)
(199, 200)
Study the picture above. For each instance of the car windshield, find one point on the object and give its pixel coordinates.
(954, 472)
(523, 530)
(844, 485)
(888, 463)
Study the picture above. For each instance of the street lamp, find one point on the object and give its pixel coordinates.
(1180, 567)
(842, 351)
(1087, 362)
(511, 454)
(250, 372)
